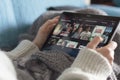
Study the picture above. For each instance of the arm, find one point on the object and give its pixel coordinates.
(77, 69)
(26, 48)
(7, 71)
(88, 65)
(91, 63)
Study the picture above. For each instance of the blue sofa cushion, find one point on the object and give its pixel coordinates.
(116, 2)
(110, 10)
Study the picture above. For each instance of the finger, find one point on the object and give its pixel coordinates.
(112, 45)
(54, 20)
(57, 17)
(93, 44)
(51, 22)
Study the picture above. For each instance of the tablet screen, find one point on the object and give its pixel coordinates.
(75, 30)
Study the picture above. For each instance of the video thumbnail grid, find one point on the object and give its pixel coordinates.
(76, 32)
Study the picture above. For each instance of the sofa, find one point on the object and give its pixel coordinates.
(16, 16)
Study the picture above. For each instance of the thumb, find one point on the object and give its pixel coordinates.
(49, 25)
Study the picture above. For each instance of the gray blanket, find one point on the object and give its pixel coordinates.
(44, 65)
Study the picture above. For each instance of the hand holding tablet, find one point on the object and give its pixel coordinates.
(75, 30)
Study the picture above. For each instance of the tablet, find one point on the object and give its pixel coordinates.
(74, 30)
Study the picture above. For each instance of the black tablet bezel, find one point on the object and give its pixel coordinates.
(101, 17)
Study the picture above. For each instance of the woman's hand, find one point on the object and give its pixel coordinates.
(44, 31)
(107, 51)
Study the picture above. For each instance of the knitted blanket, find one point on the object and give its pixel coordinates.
(46, 65)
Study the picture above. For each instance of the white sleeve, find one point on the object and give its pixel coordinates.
(7, 71)
(25, 48)
(88, 65)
